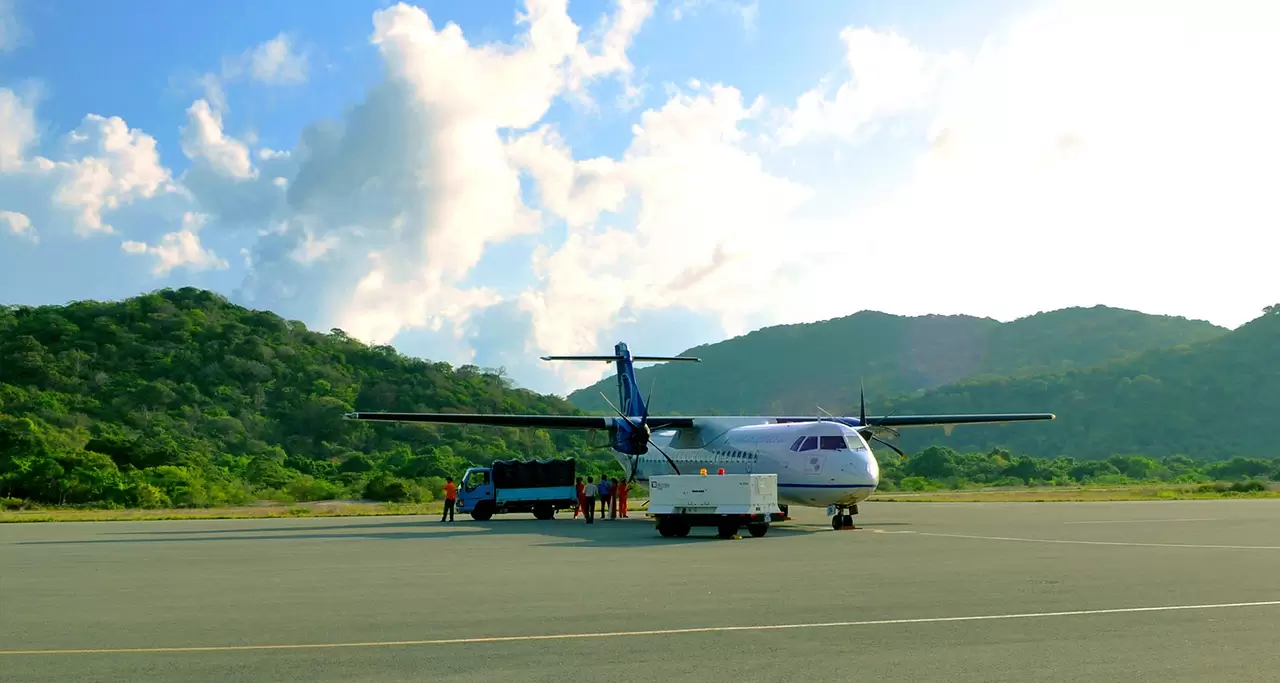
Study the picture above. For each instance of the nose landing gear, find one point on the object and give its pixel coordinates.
(843, 517)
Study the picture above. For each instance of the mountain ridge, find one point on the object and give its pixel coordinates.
(795, 368)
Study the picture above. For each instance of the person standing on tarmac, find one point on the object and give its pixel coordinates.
(450, 499)
(613, 498)
(589, 500)
(578, 509)
(604, 498)
(622, 497)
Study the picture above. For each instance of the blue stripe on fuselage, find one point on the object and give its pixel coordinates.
(826, 486)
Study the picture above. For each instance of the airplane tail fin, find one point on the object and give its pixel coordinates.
(632, 403)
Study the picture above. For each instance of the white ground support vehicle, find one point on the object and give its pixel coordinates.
(728, 502)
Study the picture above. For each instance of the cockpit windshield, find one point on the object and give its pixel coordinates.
(832, 443)
(820, 443)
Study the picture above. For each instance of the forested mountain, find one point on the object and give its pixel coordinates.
(179, 397)
(1214, 399)
(793, 368)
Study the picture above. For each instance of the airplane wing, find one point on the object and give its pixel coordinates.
(926, 420)
(683, 422)
(944, 420)
(540, 421)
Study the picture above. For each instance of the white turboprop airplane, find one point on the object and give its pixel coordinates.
(820, 461)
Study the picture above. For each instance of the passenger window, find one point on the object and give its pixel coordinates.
(810, 443)
(833, 443)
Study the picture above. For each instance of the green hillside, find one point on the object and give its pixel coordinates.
(793, 368)
(179, 397)
(1214, 399)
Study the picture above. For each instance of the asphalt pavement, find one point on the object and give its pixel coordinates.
(1167, 591)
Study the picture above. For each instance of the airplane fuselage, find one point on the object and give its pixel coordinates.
(818, 463)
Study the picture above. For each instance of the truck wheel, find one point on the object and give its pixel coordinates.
(727, 529)
(544, 512)
(482, 512)
(666, 527)
(758, 530)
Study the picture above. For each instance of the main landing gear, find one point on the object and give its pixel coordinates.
(843, 517)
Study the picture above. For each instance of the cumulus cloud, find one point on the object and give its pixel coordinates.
(179, 249)
(17, 129)
(100, 167)
(1038, 163)
(887, 76)
(18, 224)
(277, 61)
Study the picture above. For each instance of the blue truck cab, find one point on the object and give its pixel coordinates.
(541, 487)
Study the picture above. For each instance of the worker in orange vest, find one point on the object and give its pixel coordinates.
(582, 499)
(622, 498)
(450, 499)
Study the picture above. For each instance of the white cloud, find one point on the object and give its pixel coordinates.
(203, 141)
(611, 40)
(18, 224)
(1132, 173)
(888, 76)
(179, 249)
(277, 62)
(17, 129)
(705, 226)
(401, 198)
(104, 167)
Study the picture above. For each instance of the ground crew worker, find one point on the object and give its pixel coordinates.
(604, 497)
(578, 509)
(613, 498)
(450, 499)
(589, 492)
(622, 498)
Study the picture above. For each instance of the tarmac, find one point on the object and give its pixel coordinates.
(1151, 591)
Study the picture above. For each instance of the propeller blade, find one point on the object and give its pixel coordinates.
(862, 403)
(892, 447)
(664, 454)
(615, 408)
(647, 399)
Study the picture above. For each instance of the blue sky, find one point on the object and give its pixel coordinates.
(681, 172)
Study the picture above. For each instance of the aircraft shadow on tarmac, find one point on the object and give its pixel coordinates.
(629, 533)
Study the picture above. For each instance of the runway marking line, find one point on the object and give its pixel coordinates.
(1143, 521)
(1074, 542)
(654, 632)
